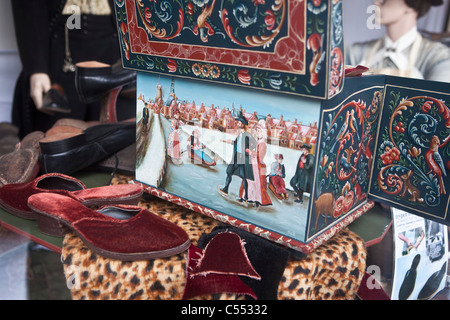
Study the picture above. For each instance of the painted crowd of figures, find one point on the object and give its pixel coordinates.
(247, 163)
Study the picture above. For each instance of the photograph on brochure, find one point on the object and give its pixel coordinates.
(420, 257)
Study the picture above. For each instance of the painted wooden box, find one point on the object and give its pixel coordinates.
(269, 163)
(295, 170)
(287, 46)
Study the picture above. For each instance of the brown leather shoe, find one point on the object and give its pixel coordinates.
(21, 165)
(9, 137)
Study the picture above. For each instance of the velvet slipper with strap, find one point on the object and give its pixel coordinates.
(143, 236)
(14, 197)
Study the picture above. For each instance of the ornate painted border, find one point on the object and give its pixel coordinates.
(306, 247)
(320, 75)
(347, 134)
(412, 151)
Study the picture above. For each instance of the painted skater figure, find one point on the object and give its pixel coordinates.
(145, 114)
(240, 164)
(257, 188)
(276, 177)
(197, 150)
(302, 179)
(173, 148)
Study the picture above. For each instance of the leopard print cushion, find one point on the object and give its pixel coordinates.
(332, 271)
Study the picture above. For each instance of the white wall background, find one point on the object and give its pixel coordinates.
(355, 21)
(10, 65)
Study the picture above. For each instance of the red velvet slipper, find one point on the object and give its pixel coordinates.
(14, 196)
(210, 283)
(225, 254)
(141, 237)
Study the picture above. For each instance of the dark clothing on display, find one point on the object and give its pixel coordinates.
(40, 33)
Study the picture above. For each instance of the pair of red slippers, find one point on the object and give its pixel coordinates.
(119, 229)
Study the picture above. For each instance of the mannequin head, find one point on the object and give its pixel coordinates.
(423, 6)
(400, 16)
(395, 9)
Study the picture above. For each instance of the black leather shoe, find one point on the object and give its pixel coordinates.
(95, 79)
(55, 100)
(95, 144)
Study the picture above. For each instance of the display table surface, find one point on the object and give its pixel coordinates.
(333, 271)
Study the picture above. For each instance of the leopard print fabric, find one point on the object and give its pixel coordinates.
(332, 271)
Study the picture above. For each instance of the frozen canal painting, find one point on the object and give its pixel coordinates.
(187, 135)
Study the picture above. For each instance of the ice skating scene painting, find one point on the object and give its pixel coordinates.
(240, 152)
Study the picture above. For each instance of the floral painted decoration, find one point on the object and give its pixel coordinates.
(245, 43)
